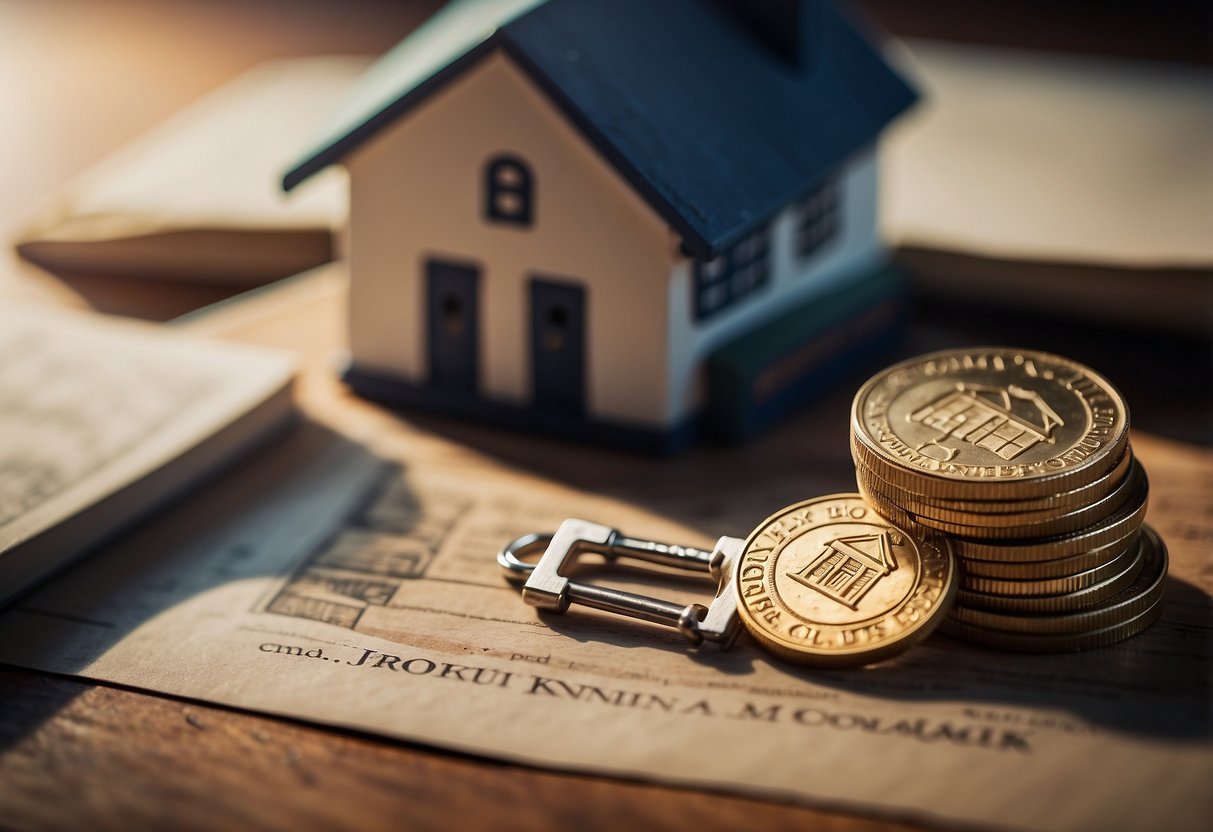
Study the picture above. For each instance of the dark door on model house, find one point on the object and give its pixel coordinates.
(452, 314)
(558, 347)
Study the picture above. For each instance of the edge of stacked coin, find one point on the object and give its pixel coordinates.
(1053, 556)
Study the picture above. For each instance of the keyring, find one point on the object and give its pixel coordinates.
(543, 586)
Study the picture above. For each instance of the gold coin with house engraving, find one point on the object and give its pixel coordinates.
(1135, 489)
(1040, 570)
(1053, 642)
(1123, 522)
(989, 423)
(1055, 602)
(1006, 513)
(1133, 598)
(1056, 503)
(829, 582)
(1025, 580)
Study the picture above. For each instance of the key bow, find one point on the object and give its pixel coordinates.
(546, 588)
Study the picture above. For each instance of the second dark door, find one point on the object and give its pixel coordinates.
(558, 346)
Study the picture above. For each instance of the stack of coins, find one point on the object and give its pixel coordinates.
(1021, 461)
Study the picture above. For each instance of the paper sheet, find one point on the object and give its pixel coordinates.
(356, 586)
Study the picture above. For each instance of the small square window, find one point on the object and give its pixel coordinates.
(816, 219)
(729, 277)
(716, 268)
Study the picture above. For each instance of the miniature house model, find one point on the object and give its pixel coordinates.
(604, 219)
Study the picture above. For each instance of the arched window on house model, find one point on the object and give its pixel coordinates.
(509, 191)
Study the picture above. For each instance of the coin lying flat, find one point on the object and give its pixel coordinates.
(1134, 490)
(1118, 618)
(829, 582)
(1076, 599)
(1059, 502)
(1123, 521)
(887, 506)
(1125, 605)
(1054, 642)
(989, 423)
(1001, 517)
(1040, 570)
(1072, 582)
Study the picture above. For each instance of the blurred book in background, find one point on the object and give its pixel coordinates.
(103, 420)
(197, 200)
(1070, 186)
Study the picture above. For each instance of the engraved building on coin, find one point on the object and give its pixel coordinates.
(984, 416)
(848, 567)
(1022, 461)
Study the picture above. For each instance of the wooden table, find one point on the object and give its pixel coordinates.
(86, 77)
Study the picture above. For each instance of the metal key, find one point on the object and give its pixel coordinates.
(545, 587)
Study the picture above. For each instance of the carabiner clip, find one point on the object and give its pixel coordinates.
(544, 586)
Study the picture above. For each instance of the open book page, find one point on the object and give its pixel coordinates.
(347, 576)
(102, 419)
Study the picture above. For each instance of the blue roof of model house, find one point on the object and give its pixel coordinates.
(714, 127)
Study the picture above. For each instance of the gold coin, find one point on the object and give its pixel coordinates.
(989, 423)
(1043, 569)
(991, 514)
(1026, 584)
(1054, 642)
(887, 508)
(970, 603)
(1126, 520)
(829, 582)
(1054, 502)
(986, 482)
(1133, 490)
(1145, 590)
